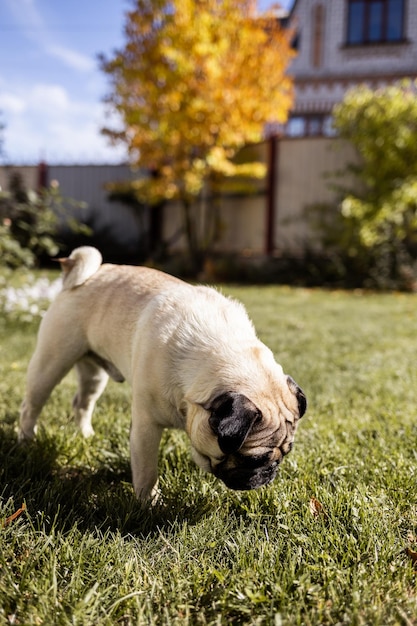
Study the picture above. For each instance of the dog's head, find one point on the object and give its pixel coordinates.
(243, 443)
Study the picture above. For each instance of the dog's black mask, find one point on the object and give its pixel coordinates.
(232, 417)
(244, 476)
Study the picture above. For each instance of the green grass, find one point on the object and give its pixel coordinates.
(84, 552)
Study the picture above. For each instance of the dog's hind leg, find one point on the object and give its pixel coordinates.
(59, 347)
(47, 368)
(92, 380)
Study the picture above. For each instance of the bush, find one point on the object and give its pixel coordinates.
(29, 223)
(29, 297)
(374, 232)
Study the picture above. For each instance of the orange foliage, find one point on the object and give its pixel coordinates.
(195, 82)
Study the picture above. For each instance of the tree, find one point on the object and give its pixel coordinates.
(195, 82)
(377, 226)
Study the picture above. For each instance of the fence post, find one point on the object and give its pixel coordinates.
(271, 196)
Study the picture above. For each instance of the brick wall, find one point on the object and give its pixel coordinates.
(319, 87)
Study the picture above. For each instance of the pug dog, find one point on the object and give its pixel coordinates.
(191, 356)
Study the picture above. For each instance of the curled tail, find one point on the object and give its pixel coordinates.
(79, 266)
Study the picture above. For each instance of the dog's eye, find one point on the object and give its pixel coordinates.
(258, 419)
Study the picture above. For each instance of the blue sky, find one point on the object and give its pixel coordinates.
(51, 88)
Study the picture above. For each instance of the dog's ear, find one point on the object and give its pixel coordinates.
(299, 394)
(232, 415)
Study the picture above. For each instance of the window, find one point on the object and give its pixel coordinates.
(310, 125)
(375, 21)
(296, 126)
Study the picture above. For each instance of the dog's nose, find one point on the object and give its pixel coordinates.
(299, 394)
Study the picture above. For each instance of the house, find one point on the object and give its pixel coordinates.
(343, 43)
(340, 44)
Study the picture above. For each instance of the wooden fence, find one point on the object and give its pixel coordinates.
(270, 221)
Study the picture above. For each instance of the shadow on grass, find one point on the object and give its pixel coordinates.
(64, 495)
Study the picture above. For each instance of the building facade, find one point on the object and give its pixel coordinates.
(343, 43)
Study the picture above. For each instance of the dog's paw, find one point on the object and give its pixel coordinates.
(155, 499)
(148, 498)
(25, 436)
(86, 430)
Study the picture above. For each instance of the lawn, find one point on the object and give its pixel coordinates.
(331, 541)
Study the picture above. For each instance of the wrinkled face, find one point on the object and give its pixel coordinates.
(242, 443)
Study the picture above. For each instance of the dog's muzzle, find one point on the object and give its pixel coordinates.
(234, 419)
(242, 472)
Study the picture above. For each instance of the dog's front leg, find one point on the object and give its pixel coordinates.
(145, 437)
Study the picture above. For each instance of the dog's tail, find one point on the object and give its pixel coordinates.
(82, 263)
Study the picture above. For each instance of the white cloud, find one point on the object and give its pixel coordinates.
(60, 143)
(50, 99)
(56, 127)
(49, 111)
(71, 58)
(81, 142)
(26, 13)
(11, 103)
(33, 25)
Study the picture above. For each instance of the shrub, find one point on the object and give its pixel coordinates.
(375, 227)
(29, 223)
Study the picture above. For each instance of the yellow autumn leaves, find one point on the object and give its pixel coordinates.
(195, 82)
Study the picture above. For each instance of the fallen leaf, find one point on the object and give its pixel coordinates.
(316, 508)
(15, 515)
(412, 554)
